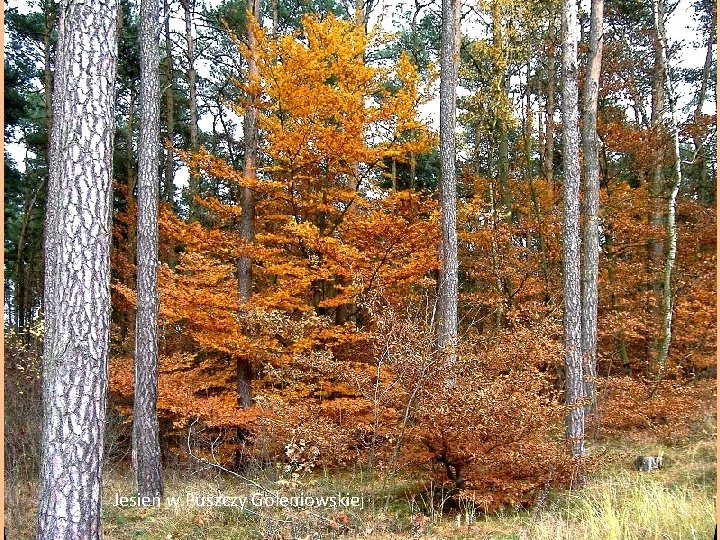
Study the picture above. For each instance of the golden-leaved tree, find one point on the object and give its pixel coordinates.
(326, 234)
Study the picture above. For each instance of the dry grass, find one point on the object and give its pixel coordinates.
(618, 503)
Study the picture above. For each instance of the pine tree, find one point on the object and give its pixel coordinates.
(77, 272)
(591, 235)
(574, 386)
(448, 275)
(146, 438)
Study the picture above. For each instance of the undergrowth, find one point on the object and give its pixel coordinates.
(617, 503)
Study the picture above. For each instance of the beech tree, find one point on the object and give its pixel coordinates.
(77, 272)
(146, 438)
(247, 216)
(310, 264)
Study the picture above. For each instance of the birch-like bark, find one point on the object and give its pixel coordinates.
(591, 206)
(77, 271)
(658, 16)
(146, 432)
(574, 390)
(447, 322)
(657, 189)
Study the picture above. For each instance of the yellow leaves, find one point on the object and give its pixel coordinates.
(323, 104)
(328, 121)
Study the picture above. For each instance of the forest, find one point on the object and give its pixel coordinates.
(294, 269)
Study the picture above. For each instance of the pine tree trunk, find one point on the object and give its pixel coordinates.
(129, 158)
(77, 272)
(500, 124)
(194, 181)
(574, 390)
(22, 282)
(170, 108)
(146, 436)
(537, 212)
(447, 322)
(591, 206)
(50, 16)
(549, 147)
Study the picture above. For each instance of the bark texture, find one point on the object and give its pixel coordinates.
(656, 217)
(247, 217)
(574, 390)
(194, 181)
(146, 436)
(549, 135)
(591, 235)
(250, 131)
(77, 271)
(170, 108)
(671, 229)
(448, 276)
(705, 187)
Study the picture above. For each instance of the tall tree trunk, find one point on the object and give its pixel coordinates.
(413, 166)
(22, 296)
(619, 334)
(537, 212)
(656, 217)
(494, 258)
(77, 272)
(194, 181)
(504, 169)
(146, 432)
(591, 206)
(275, 15)
(659, 18)
(169, 108)
(393, 175)
(549, 147)
(501, 124)
(361, 15)
(129, 157)
(50, 16)
(574, 390)
(704, 185)
(447, 322)
(247, 217)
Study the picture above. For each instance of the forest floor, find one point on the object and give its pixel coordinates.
(618, 503)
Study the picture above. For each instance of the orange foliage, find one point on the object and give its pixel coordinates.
(338, 329)
(326, 234)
